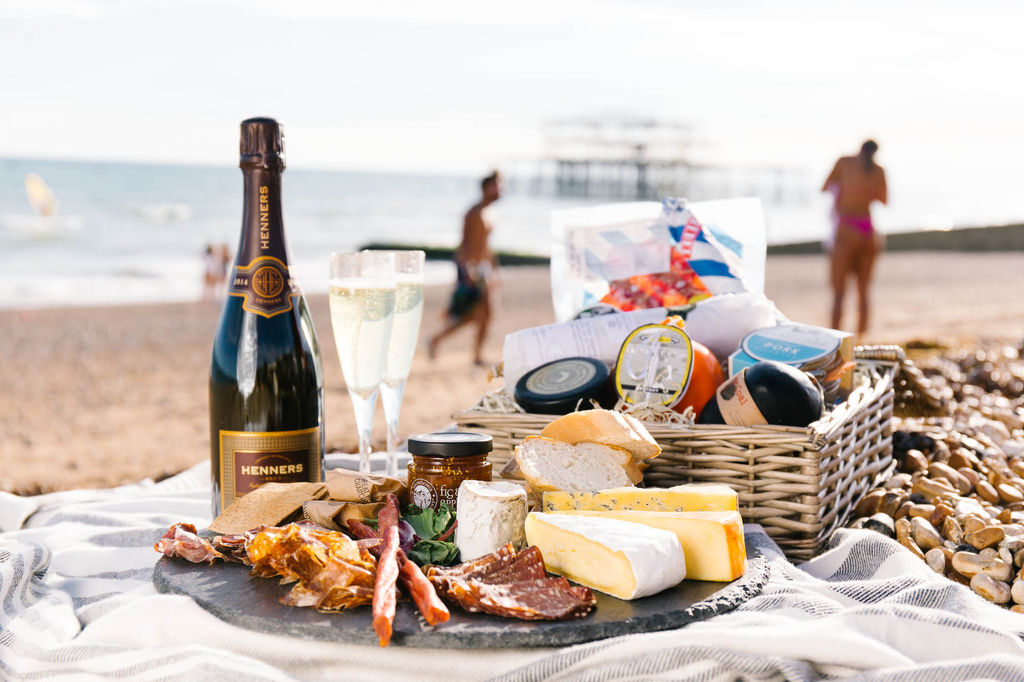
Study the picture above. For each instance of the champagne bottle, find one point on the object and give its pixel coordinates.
(266, 380)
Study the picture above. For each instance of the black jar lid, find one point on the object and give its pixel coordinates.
(451, 444)
(557, 387)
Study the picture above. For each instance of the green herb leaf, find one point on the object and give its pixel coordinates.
(428, 552)
(421, 520)
(428, 524)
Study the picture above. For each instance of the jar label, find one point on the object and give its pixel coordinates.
(425, 495)
(265, 286)
(248, 459)
(737, 405)
(655, 365)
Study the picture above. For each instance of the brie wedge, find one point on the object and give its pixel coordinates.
(625, 560)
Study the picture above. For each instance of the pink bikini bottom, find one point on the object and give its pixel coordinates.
(861, 223)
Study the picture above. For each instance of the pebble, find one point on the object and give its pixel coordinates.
(933, 491)
(970, 474)
(940, 513)
(985, 537)
(924, 534)
(952, 530)
(868, 504)
(903, 535)
(1009, 493)
(881, 523)
(922, 510)
(936, 561)
(972, 524)
(898, 481)
(994, 590)
(987, 492)
(970, 565)
(1016, 591)
(914, 460)
(890, 502)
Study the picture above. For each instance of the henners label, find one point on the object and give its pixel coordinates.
(264, 285)
(264, 218)
(250, 459)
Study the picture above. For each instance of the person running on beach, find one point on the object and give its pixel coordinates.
(855, 182)
(477, 273)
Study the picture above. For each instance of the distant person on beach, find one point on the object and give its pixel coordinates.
(472, 300)
(215, 269)
(855, 182)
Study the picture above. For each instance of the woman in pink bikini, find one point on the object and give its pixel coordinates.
(855, 182)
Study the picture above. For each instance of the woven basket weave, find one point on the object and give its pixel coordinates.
(799, 483)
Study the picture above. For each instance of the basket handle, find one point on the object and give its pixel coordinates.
(890, 353)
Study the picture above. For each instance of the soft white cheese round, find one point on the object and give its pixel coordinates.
(490, 515)
(623, 559)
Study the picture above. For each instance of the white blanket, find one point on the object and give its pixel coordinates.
(77, 602)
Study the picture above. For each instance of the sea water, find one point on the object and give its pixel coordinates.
(136, 233)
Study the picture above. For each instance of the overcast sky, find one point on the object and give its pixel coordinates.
(444, 85)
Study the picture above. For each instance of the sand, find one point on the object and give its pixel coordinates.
(95, 397)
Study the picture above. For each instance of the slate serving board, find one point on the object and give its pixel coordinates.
(231, 594)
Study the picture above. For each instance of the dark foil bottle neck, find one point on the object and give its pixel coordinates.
(261, 144)
(262, 217)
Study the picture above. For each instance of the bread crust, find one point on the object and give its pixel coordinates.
(607, 428)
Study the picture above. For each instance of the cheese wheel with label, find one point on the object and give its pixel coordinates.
(765, 393)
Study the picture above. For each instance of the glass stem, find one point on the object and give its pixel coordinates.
(364, 406)
(391, 398)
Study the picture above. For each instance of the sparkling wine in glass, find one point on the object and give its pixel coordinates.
(405, 330)
(362, 301)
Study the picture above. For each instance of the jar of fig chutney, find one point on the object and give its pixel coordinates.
(441, 461)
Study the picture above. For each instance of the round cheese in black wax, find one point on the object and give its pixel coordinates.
(765, 393)
(557, 387)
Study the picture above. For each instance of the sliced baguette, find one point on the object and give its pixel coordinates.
(549, 464)
(605, 427)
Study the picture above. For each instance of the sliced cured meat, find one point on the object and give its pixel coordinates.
(182, 540)
(527, 565)
(445, 578)
(540, 599)
(232, 547)
(512, 585)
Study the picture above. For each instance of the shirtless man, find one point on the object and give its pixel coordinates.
(855, 182)
(477, 270)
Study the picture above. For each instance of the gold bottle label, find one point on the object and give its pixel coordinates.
(264, 285)
(248, 459)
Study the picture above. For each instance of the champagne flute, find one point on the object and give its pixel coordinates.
(362, 301)
(404, 334)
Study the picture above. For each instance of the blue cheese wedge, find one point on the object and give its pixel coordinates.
(491, 514)
(623, 559)
(690, 497)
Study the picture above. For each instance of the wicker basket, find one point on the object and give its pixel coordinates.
(799, 483)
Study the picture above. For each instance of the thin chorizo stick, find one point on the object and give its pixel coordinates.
(389, 514)
(410, 577)
(362, 531)
(384, 597)
(423, 593)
